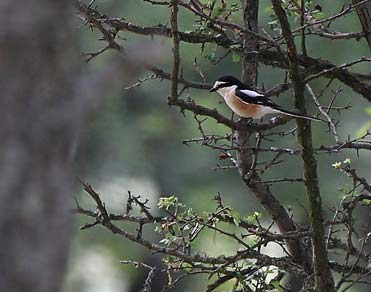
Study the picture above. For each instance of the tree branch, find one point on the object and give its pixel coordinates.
(352, 80)
(323, 277)
(245, 157)
(365, 19)
(265, 56)
(176, 59)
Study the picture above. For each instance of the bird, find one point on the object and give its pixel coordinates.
(248, 103)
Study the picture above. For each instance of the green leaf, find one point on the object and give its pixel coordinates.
(235, 6)
(257, 215)
(268, 9)
(218, 11)
(236, 57)
(319, 15)
(158, 228)
(368, 110)
(190, 212)
(170, 259)
(236, 217)
(253, 217)
(277, 285)
(180, 216)
(211, 56)
(167, 202)
(187, 267)
(205, 216)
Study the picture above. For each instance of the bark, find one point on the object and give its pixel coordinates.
(245, 157)
(323, 277)
(41, 116)
(365, 19)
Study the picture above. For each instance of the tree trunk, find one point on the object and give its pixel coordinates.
(245, 157)
(365, 19)
(323, 277)
(41, 116)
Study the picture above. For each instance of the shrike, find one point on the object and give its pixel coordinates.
(247, 103)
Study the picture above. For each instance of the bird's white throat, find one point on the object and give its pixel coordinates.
(225, 91)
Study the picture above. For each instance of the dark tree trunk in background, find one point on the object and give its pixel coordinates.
(40, 118)
(245, 157)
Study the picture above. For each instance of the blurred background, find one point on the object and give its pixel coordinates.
(133, 142)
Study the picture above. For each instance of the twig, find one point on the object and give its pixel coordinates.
(195, 64)
(141, 81)
(343, 12)
(149, 278)
(340, 67)
(176, 59)
(332, 125)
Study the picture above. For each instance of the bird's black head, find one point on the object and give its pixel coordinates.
(229, 79)
(226, 81)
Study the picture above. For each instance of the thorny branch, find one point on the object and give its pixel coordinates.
(266, 56)
(177, 217)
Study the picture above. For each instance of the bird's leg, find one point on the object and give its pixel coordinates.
(246, 121)
(232, 134)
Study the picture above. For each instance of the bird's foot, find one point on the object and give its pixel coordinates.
(245, 121)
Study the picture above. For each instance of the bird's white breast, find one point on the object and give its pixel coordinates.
(243, 109)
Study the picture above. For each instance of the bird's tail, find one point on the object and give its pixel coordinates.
(298, 115)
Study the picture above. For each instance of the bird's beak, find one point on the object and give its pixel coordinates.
(213, 89)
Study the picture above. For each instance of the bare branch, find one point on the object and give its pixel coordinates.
(365, 19)
(176, 59)
(332, 125)
(317, 66)
(336, 35)
(323, 278)
(151, 273)
(121, 24)
(344, 11)
(337, 68)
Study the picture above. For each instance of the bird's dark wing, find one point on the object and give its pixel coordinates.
(251, 96)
